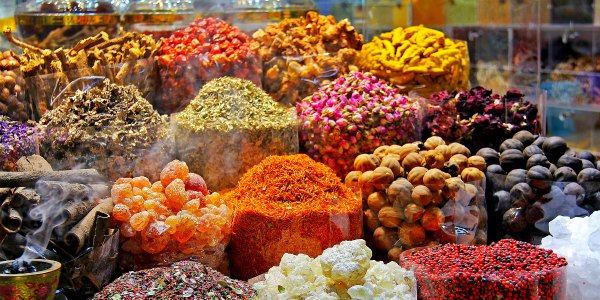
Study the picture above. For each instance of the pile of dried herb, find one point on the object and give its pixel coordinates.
(186, 279)
(111, 128)
(231, 126)
(16, 140)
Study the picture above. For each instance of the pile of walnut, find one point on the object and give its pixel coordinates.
(421, 194)
(301, 54)
(12, 95)
(124, 60)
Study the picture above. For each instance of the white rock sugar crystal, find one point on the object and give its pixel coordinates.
(344, 271)
(578, 240)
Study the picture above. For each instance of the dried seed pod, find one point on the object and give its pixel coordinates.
(512, 159)
(381, 151)
(376, 201)
(456, 148)
(445, 150)
(371, 221)
(434, 159)
(452, 187)
(385, 238)
(490, 155)
(531, 150)
(472, 174)
(413, 213)
(415, 176)
(432, 219)
(434, 179)
(537, 160)
(382, 176)
(407, 149)
(511, 144)
(540, 178)
(394, 254)
(478, 162)
(351, 180)
(399, 192)
(432, 142)
(525, 137)
(461, 160)
(452, 168)
(411, 235)
(366, 162)
(521, 194)
(390, 216)
(391, 162)
(413, 160)
(422, 195)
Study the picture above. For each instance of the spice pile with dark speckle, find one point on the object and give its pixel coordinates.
(181, 280)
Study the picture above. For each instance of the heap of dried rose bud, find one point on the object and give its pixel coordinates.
(477, 118)
(354, 114)
(16, 140)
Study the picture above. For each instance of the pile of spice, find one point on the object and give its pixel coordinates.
(354, 114)
(507, 269)
(289, 204)
(181, 280)
(110, 128)
(533, 180)
(417, 59)
(126, 59)
(12, 94)
(16, 139)
(344, 271)
(420, 194)
(578, 240)
(300, 54)
(231, 126)
(477, 118)
(170, 219)
(206, 49)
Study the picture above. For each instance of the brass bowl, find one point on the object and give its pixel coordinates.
(37, 285)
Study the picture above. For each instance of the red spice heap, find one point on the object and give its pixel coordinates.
(289, 204)
(206, 49)
(507, 269)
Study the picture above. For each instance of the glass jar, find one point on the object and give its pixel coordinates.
(63, 23)
(158, 17)
(251, 15)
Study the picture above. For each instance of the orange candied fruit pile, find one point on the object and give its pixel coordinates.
(175, 214)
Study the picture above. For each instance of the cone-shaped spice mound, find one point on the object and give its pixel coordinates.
(289, 204)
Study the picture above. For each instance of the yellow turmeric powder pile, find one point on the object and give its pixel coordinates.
(417, 58)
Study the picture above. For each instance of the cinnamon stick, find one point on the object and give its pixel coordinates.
(25, 195)
(80, 233)
(64, 190)
(28, 179)
(10, 219)
(77, 210)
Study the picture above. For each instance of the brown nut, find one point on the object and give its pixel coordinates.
(415, 176)
(413, 213)
(382, 177)
(456, 148)
(452, 187)
(413, 160)
(434, 141)
(434, 179)
(399, 192)
(411, 234)
(390, 216)
(477, 162)
(364, 183)
(376, 201)
(393, 164)
(445, 151)
(472, 174)
(385, 238)
(371, 221)
(366, 162)
(432, 219)
(393, 149)
(407, 149)
(422, 195)
(351, 180)
(381, 151)
(434, 159)
(460, 160)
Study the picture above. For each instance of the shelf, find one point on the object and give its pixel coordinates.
(530, 26)
(577, 107)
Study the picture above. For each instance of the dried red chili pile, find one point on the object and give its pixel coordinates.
(507, 269)
(206, 49)
(181, 280)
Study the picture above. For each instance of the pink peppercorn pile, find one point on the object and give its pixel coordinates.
(507, 269)
(206, 49)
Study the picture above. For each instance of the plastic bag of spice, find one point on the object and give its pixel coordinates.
(45, 92)
(108, 127)
(418, 194)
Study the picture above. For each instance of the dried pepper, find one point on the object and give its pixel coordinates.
(289, 204)
(300, 54)
(417, 58)
(206, 49)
